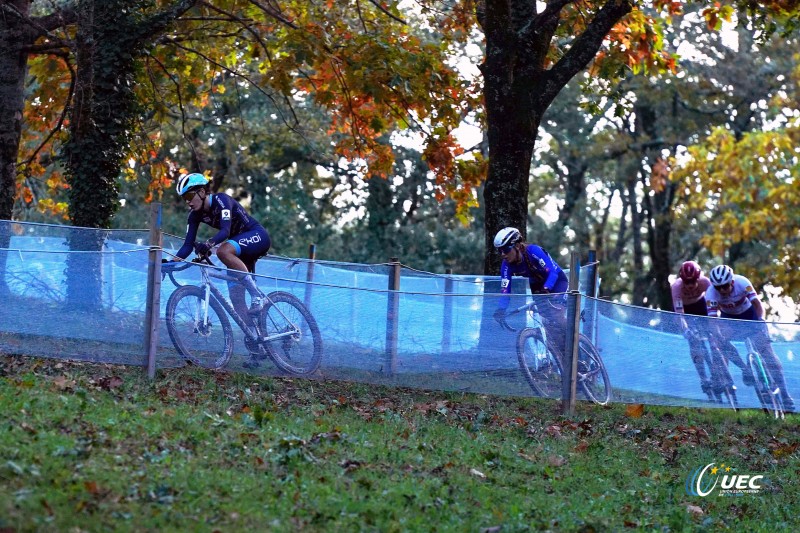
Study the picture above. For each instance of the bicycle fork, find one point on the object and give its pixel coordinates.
(201, 322)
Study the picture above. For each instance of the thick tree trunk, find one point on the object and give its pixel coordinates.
(518, 89)
(506, 192)
(13, 68)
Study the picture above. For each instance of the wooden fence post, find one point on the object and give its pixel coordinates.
(312, 256)
(392, 316)
(447, 318)
(570, 363)
(153, 304)
(591, 292)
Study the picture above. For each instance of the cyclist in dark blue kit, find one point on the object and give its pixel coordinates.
(543, 273)
(241, 238)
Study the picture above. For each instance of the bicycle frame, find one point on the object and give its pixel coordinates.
(209, 288)
(719, 372)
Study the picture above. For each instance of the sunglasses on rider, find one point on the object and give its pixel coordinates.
(723, 287)
(189, 196)
(505, 249)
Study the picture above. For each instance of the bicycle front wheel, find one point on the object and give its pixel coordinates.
(592, 374)
(539, 363)
(293, 339)
(201, 333)
(765, 385)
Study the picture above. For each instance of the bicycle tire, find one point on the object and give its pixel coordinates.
(592, 373)
(199, 344)
(720, 371)
(539, 363)
(299, 354)
(764, 385)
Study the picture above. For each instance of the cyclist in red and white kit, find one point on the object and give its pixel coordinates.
(688, 297)
(733, 296)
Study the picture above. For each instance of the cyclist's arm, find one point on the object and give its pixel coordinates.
(505, 286)
(677, 304)
(758, 308)
(752, 295)
(546, 265)
(191, 235)
(712, 302)
(225, 204)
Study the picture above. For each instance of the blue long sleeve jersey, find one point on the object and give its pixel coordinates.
(225, 214)
(546, 273)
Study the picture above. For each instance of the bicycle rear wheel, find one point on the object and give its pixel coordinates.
(201, 334)
(298, 346)
(592, 374)
(539, 363)
(765, 385)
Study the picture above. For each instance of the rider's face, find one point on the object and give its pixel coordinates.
(512, 257)
(725, 289)
(195, 199)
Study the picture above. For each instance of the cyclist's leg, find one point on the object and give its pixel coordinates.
(721, 335)
(241, 251)
(227, 254)
(553, 311)
(697, 350)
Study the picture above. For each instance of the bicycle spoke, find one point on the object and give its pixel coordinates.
(538, 363)
(293, 339)
(200, 333)
(592, 374)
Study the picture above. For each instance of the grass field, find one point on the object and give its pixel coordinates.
(98, 448)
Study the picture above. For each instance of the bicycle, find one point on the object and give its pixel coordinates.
(768, 392)
(721, 385)
(541, 365)
(283, 330)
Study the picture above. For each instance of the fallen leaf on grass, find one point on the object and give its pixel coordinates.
(556, 460)
(110, 383)
(477, 473)
(635, 410)
(582, 446)
(554, 431)
(695, 510)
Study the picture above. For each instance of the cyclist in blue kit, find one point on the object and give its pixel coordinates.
(241, 238)
(544, 277)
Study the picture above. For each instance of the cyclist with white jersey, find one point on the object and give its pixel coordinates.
(733, 296)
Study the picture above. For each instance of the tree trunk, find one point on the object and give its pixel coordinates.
(13, 69)
(518, 89)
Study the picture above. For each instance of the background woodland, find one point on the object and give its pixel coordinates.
(652, 133)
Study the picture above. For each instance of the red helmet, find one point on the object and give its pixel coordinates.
(690, 270)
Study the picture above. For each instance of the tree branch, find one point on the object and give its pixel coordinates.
(64, 111)
(387, 13)
(584, 47)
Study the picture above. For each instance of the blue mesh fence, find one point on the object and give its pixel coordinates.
(81, 294)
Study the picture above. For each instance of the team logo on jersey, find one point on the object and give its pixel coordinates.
(226, 214)
(541, 262)
(504, 283)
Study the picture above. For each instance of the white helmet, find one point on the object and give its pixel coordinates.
(721, 275)
(506, 237)
(188, 182)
